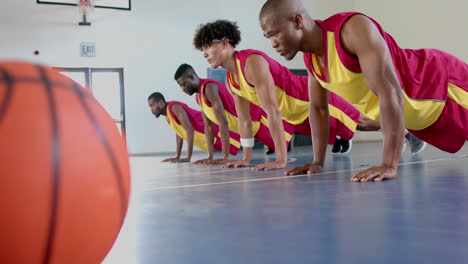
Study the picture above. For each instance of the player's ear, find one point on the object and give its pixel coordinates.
(298, 21)
(226, 43)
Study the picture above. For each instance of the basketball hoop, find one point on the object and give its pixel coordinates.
(85, 7)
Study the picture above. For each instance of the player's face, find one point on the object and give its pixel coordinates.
(156, 107)
(282, 33)
(188, 84)
(215, 54)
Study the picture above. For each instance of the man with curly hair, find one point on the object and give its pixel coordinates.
(425, 91)
(253, 77)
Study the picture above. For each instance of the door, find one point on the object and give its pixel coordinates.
(107, 86)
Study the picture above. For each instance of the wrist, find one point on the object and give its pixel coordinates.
(247, 158)
(282, 156)
(390, 165)
(319, 163)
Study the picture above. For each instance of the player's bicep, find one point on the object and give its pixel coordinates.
(212, 95)
(361, 37)
(182, 116)
(258, 73)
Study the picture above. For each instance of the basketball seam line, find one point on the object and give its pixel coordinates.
(55, 164)
(58, 84)
(8, 94)
(100, 134)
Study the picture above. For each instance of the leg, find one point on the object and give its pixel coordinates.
(450, 132)
(344, 120)
(367, 124)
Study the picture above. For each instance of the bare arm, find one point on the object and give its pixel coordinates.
(319, 118)
(258, 73)
(179, 142)
(181, 115)
(361, 38)
(209, 135)
(245, 130)
(212, 94)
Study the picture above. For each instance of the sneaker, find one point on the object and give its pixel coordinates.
(404, 146)
(417, 145)
(336, 146)
(346, 146)
(270, 151)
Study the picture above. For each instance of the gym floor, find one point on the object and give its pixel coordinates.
(183, 213)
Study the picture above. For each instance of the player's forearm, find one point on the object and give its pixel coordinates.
(245, 129)
(393, 125)
(320, 126)
(246, 132)
(190, 135)
(277, 133)
(224, 131)
(247, 153)
(209, 140)
(180, 143)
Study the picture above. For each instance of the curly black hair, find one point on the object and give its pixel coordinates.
(218, 30)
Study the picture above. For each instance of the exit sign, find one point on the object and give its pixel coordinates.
(88, 49)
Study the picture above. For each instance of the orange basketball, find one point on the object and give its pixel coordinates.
(64, 170)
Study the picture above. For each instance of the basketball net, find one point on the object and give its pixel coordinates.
(85, 8)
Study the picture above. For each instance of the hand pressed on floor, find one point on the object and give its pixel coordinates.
(310, 168)
(377, 173)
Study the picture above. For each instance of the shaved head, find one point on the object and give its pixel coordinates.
(287, 24)
(282, 8)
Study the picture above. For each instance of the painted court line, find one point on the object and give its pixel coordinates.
(214, 171)
(287, 176)
(226, 169)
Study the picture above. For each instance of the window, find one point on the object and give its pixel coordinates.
(107, 86)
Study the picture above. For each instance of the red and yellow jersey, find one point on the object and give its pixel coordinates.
(291, 90)
(196, 120)
(229, 107)
(292, 95)
(258, 116)
(423, 75)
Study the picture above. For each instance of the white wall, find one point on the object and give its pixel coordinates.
(320, 9)
(423, 23)
(150, 42)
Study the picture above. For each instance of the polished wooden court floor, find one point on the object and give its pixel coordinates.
(183, 213)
